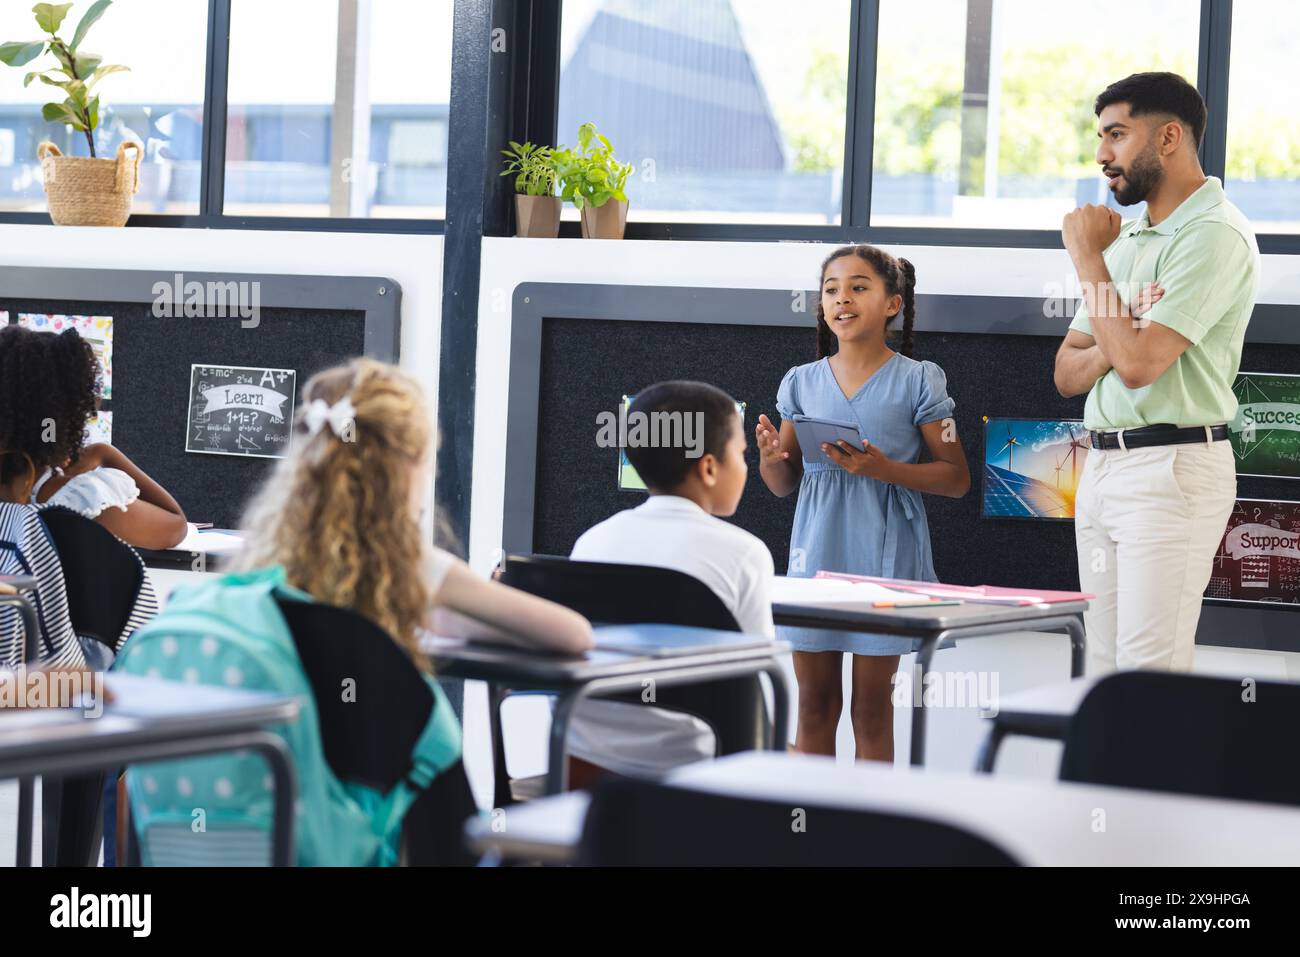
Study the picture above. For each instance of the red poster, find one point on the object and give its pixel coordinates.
(1259, 555)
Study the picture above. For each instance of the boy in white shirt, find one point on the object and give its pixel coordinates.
(691, 485)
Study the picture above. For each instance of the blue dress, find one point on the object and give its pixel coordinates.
(851, 523)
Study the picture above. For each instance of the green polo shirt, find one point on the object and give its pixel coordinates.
(1205, 256)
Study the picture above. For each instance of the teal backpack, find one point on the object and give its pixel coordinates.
(218, 809)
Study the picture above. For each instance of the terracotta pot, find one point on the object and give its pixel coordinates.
(537, 217)
(605, 222)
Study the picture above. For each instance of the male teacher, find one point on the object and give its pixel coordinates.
(1160, 480)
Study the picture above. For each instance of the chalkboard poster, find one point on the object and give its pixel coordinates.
(1259, 555)
(240, 410)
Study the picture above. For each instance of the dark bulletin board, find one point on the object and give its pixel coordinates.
(748, 362)
(587, 364)
(151, 386)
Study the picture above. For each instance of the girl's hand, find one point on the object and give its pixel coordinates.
(1148, 297)
(768, 440)
(870, 461)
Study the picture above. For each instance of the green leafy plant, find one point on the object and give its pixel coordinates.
(75, 73)
(590, 175)
(532, 168)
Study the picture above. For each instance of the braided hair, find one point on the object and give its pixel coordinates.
(899, 277)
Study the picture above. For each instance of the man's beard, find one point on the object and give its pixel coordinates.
(1140, 178)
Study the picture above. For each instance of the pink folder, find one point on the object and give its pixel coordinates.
(992, 594)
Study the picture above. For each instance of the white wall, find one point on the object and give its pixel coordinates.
(1021, 661)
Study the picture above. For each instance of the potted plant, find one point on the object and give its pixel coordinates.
(537, 208)
(594, 180)
(83, 191)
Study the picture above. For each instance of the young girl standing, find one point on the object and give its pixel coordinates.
(860, 512)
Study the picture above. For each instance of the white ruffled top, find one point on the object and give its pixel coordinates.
(89, 493)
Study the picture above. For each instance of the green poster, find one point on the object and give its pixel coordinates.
(1265, 434)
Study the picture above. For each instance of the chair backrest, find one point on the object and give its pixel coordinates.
(619, 594)
(27, 550)
(1191, 734)
(101, 573)
(635, 822)
(372, 707)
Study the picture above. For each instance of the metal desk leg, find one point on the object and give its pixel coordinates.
(27, 785)
(780, 707)
(989, 748)
(1078, 646)
(284, 779)
(501, 794)
(557, 768)
(923, 656)
(26, 802)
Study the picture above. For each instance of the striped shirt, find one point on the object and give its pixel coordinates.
(26, 548)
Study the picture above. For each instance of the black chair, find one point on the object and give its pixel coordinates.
(614, 593)
(368, 738)
(646, 823)
(1189, 734)
(103, 577)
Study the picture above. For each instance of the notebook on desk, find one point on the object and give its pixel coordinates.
(666, 641)
(977, 594)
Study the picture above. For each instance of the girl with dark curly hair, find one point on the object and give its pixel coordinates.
(48, 389)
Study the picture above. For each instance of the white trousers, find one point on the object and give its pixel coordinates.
(1147, 525)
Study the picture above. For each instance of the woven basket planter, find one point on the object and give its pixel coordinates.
(90, 192)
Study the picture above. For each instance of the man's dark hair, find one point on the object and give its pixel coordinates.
(664, 468)
(1158, 93)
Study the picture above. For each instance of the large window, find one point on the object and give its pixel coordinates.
(984, 108)
(962, 117)
(1263, 155)
(730, 112)
(338, 108)
(159, 103)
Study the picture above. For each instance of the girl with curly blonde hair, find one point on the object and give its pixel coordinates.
(342, 513)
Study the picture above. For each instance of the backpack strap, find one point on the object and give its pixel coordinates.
(438, 748)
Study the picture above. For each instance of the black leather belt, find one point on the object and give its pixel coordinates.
(1162, 434)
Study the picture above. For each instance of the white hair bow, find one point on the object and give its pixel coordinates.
(339, 415)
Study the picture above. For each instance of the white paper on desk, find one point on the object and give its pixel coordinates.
(208, 541)
(135, 696)
(832, 591)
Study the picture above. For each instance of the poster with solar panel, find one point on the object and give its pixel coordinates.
(1265, 434)
(1258, 561)
(1032, 467)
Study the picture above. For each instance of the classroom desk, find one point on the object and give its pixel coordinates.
(194, 554)
(599, 673)
(1040, 823)
(153, 720)
(1042, 712)
(930, 627)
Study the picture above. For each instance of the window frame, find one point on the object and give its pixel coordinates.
(534, 68)
(1212, 81)
(212, 168)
